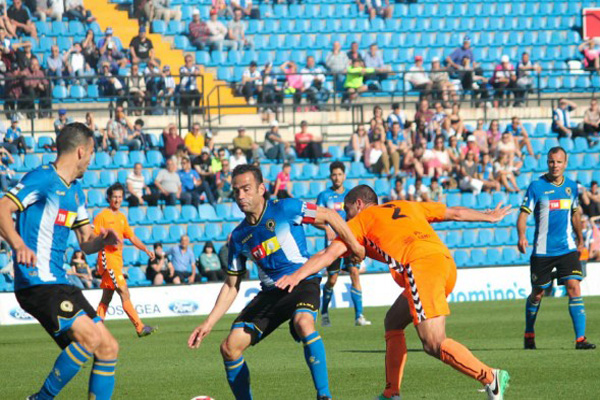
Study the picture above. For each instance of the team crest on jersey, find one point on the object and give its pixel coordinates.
(270, 224)
(65, 218)
(66, 306)
(569, 191)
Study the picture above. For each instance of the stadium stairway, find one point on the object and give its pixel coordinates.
(108, 14)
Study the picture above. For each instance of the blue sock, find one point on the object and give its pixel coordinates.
(314, 353)
(238, 376)
(67, 365)
(102, 379)
(531, 311)
(327, 295)
(356, 296)
(577, 311)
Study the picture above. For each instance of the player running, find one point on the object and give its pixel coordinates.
(49, 203)
(553, 199)
(272, 236)
(110, 259)
(333, 198)
(399, 233)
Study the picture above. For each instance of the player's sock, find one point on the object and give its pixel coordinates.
(577, 311)
(238, 376)
(67, 365)
(395, 359)
(314, 353)
(102, 379)
(531, 311)
(101, 311)
(133, 315)
(356, 296)
(461, 359)
(327, 295)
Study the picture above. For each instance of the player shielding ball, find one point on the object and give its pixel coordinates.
(553, 200)
(333, 198)
(49, 203)
(273, 237)
(399, 233)
(110, 259)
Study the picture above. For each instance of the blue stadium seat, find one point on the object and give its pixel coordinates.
(107, 178)
(136, 157)
(461, 257)
(137, 278)
(90, 179)
(227, 229)
(31, 161)
(493, 257)
(453, 199)
(468, 200)
(175, 233)
(154, 158)
(382, 187)
(159, 26)
(120, 159)
(101, 160)
(77, 92)
(501, 236)
(299, 189)
(130, 256)
(454, 239)
(59, 92)
(122, 176)
(195, 232)
(510, 256)
(212, 231)
(95, 198)
(469, 238)
(170, 215)
(357, 170)
(315, 187)
(159, 234)
(477, 258)
(153, 215)
(485, 237)
(136, 215)
(336, 152)
(207, 213)
(188, 214)
(223, 211)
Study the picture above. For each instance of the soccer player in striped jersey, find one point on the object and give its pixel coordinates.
(49, 203)
(273, 237)
(333, 198)
(558, 241)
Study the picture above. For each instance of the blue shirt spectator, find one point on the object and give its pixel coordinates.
(183, 261)
(12, 133)
(561, 118)
(188, 179)
(454, 60)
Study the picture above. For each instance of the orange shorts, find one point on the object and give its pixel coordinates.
(112, 273)
(427, 283)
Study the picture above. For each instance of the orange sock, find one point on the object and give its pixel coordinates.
(395, 359)
(461, 359)
(133, 315)
(101, 311)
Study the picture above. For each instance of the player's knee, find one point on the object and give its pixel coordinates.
(331, 280)
(304, 324)
(536, 296)
(92, 340)
(109, 348)
(431, 346)
(229, 351)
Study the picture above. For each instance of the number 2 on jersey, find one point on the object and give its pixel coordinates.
(397, 212)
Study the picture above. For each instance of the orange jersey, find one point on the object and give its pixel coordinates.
(116, 221)
(400, 229)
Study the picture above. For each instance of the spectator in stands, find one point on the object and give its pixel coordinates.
(520, 135)
(397, 146)
(192, 185)
(223, 9)
(379, 159)
(481, 137)
(210, 266)
(525, 78)
(397, 192)
(418, 191)
(275, 147)
(378, 119)
(217, 160)
(172, 141)
(454, 153)
(308, 145)
(437, 160)
(14, 136)
(440, 120)
(61, 121)
(36, 86)
(456, 59)
(419, 79)
(494, 135)
(110, 85)
(237, 158)
(591, 55)
(194, 141)
(248, 8)
(119, 132)
(485, 173)
(224, 188)
(76, 65)
(6, 174)
(424, 116)
(374, 8)
(44, 9)
(203, 166)
(504, 173)
(182, 261)
(163, 9)
(472, 80)
(139, 192)
(282, 189)
(272, 93)
(353, 54)
(20, 17)
(245, 143)
(590, 200)
(397, 115)
(141, 48)
(81, 270)
(56, 65)
(198, 31)
(413, 161)
(374, 59)
(472, 147)
(6, 24)
(188, 85)
(355, 76)
(90, 50)
(468, 177)
(436, 192)
(504, 81)
(591, 120)
(22, 53)
(236, 32)
(561, 119)
(457, 125)
(313, 84)
(159, 270)
(109, 42)
(13, 91)
(359, 145)
(337, 62)
(508, 145)
(168, 183)
(294, 84)
(136, 85)
(252, 83)
(74, 10)
(168, 89)
(440, 82)
(114, 58)
(218, 32)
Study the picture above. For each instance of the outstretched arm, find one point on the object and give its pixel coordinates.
(91, 243)
(326, 216)
(470, 215)
(7, 231)
(316, 263)
(138, 243)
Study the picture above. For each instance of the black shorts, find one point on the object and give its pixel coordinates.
(56, 307)
(567, 266)
(271, 308)
(337, 266)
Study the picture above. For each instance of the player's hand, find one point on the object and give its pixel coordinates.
(287, 281)
(25, 256)
(498, 213)
(110, 237)
(580, 247)
(523, 245)
(198, 335)
(151, 255)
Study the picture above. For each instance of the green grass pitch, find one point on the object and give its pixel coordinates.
(162, 367)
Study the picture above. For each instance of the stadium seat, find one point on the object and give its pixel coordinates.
(159, 234)
(477, 258)
(154, 158)
(170, 215)
(95, 198)
(136, 157)
(137, 277)
(175, 233)
(212, 232)
(195, 232)
(130, 256)
(142, 233)
(206, 213)
(227, 229)
(120, 159)
(315, 187)
(510, 256)
(107, 178)
(153, 215)
(188, 214)
(501, 236)
(461, 257)
(90, 179)
(223, 211)
(493, 257)
(300, 190)
(469, 238)
(485, 237)
(101, 160)
(454, 239)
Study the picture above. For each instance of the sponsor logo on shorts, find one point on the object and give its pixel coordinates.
(65, 218)
(66, 306)
(183, 307)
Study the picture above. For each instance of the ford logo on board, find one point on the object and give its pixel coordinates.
(183, 306)
(19, 313)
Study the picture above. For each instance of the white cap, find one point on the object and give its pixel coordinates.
(274, 123)
(196, 12)
(435, 59)
(470, 138)
(504, 58)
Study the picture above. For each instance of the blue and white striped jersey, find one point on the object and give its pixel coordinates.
(552, 206)
(48, 209)
(276, 244)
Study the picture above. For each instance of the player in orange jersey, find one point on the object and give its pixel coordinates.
(399, 233)
(110, 260)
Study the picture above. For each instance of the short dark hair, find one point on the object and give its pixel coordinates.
(363, 192)
(337, 165)
(158, 244)
(139, 122)
(557, 149)
(253, 169)
(395, 106)
(115, 187)
(71, 136)
(594, 183)
(208, 244)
